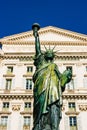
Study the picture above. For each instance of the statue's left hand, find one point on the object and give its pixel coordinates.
(66, 77)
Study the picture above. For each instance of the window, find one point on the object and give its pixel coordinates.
(70, 85)
(9, 69)
(27, 104)
(71, 106)
(30, 69)
(73, 123)
(8, 84)
(28, 83)
(27, 120)
(4, 120)
(6, 105)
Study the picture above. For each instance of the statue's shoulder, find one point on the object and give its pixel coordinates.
(39, 59)
(53, 66)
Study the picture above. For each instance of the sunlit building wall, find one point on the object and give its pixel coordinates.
(17, 69)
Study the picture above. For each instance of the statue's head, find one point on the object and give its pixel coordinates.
(49, 54)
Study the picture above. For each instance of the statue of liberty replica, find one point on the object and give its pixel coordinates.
(49, 84)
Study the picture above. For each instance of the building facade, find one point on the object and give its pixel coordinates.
(17, 69)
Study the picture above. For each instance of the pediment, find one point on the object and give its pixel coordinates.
(50, 33)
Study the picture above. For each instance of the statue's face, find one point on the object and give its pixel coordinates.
(49, 55)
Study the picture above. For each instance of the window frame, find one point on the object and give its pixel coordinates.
(29, 84)
(29, 69)
(27, 105)
(4, 120)
(9, 69)
(8, 83)
(5, 104)
(73, 121)
(27, 120)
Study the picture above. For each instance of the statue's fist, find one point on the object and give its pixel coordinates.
(35, 33)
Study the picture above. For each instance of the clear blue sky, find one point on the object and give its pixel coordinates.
(17, 16)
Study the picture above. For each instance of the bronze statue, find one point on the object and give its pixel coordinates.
(49, 84)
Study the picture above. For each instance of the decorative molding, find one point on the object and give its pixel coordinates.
(74, 96)
(85, 75)
(63, 108)
(68, 64)
(26, 112)
(28, 75)
(8, 75)
(8, 96)
(29, 57)
(59, 64)
(71, 113)
(20, 57)
(64, 43)
(83, 107)
(74, 75)
(16, 107)
(79, 64)
(5, 112)
(26, 127)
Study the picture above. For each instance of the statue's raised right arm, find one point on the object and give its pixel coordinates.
(35, 28)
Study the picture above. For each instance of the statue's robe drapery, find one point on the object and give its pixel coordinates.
(48, 85)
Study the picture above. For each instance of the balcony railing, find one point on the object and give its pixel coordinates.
(26, 127)
(72, 109)
(5, 109)
(28, 74)
(3, 127)
(27, 109)
(73, 128)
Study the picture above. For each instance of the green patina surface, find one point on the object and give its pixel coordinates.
(49, 83)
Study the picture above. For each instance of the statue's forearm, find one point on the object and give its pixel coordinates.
(35, 28)
(37, 45)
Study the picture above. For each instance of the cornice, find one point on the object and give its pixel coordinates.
(16, 96)
(29, 56)
(16, 56)
(64, 32)
(44, 30)
(26, 95)
(73, 95)
(58, 43)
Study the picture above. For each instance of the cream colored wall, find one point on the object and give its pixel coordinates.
(15, 121)
(19, 70)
